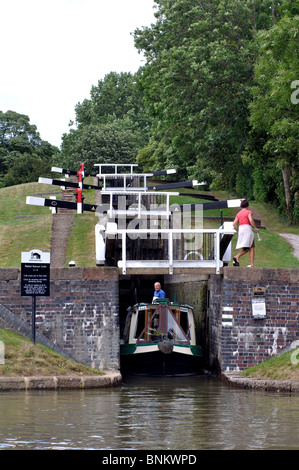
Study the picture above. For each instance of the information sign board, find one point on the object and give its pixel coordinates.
(259, 308)
(35, 273)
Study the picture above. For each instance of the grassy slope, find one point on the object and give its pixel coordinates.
(23, 358)
(273, 251)
(22, 227)
(81, 244)
(282, 367)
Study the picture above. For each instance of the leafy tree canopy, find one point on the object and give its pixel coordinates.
(112, 126)
(196, 82)
(217, 84)
(274, 111)
(92, 144)
(24, 156)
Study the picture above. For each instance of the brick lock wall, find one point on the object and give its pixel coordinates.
(80, 315)
(214, 313)
(238, 340)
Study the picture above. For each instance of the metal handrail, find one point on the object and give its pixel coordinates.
(215, 261)
(139, 195)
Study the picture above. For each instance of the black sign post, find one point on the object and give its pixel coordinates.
(35, 278)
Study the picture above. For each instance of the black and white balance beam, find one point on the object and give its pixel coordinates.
(65, 171)
(213, 205)
(162, 172)
(182, 184)
(67, 184)
(53, 203)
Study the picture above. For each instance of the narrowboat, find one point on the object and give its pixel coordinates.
(160, 340)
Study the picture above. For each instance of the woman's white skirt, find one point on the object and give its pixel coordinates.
(245, 237)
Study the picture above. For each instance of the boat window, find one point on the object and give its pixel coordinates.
(127, 327)
(184, 322)
(145, 324)
(174, 331)
(140, 323)
(154, 325)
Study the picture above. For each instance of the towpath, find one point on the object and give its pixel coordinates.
(293, 240)
(61, 230)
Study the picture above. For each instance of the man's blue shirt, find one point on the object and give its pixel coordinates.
(160, 293)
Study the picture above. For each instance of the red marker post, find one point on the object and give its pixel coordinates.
(79, 195)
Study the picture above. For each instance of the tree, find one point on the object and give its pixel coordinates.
(111, 126)
(274, 112)
(196, 82)
(25, 168)
(23, 154)
(115, 97)
(14, 125)
(92, 144)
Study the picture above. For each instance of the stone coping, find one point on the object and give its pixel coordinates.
(109, 273)
(237, 380)
(110, 379)
(114, 378)
(262, 275)
(101, 273)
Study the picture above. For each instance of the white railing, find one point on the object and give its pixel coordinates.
(168, 236)
(115, 166)
(140, 207)
(126, 179)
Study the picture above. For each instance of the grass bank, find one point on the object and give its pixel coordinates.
(282, 367)
(23, 227)
(22, 358)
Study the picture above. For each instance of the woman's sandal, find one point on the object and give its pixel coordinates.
(235, 262)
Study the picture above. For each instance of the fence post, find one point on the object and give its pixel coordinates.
(124, 251)
(170, 251)
(217, 251)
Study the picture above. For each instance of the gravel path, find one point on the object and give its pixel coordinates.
(293, 240)
(61, 230)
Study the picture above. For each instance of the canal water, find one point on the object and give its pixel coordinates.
(197, 413)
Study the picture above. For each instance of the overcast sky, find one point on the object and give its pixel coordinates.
(53, 51)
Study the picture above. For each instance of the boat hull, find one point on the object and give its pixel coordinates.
(149, 362)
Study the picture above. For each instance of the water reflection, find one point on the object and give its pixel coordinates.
(150, 414)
